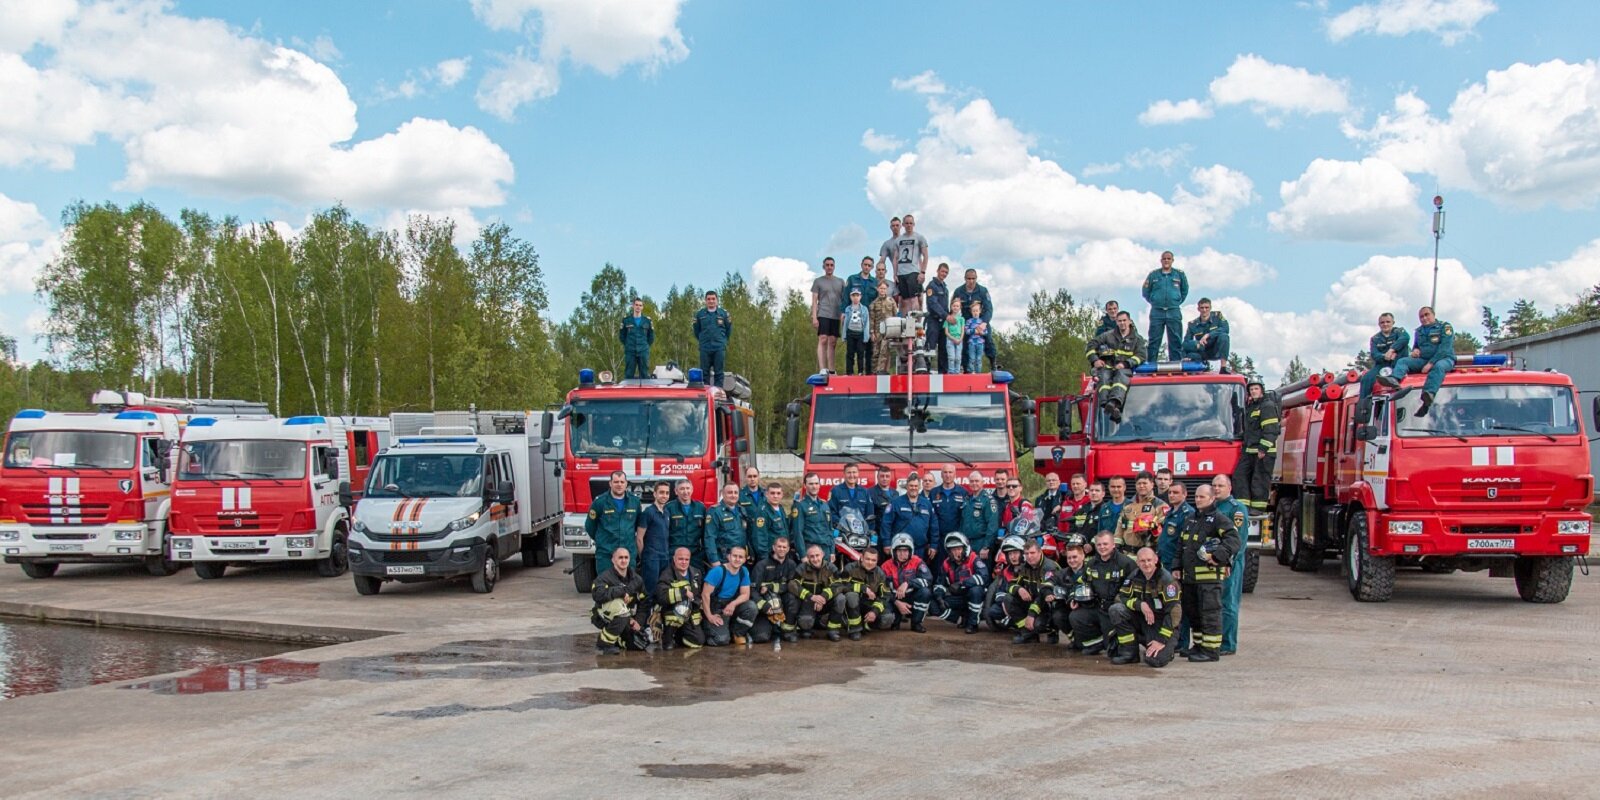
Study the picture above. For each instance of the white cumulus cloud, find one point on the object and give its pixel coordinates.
(1166, 112)
(787, 275)
(27, 243)
(1268, 89)
(1450, 20)
(880, 142)
(925, 83)
(1368, 201)
(450, 71)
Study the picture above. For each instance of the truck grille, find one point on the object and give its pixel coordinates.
(1525, 493)
(64, 537)
(406, 556)
(225, 526)
(1489, 530)
(423, 536)
(81, 514)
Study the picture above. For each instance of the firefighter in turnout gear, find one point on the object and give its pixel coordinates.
(1252, 479)
(1006, 566)
(686, 519)
(812, 588)
(678, 595)
(1146, 614)
(910, 583)
(864, 590)
(726, 527)
(1113, 355)
(614, 518)
(1232, 588)
(1067, 586)
(617, 611)
(1103, 574)
(1433, 352)
(1206, 548)
(958, 590)
(1029, 589)
(1140, 522)
(776, 609)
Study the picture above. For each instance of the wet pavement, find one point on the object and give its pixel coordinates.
(37, 658)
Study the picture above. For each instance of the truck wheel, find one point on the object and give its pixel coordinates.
(488, 575)
(210, 570)
(1543, 579)
(39, 569)
(539, 550)
(1371, 578)
(1303, 557)
(366, 584)
(1283, 532)
(338, 559)
(160, 567)
(1252, 571)
(583, 574)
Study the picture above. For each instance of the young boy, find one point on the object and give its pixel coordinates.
(977, 333)
(952, 342)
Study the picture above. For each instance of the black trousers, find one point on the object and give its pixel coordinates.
(1202, 607)
(857, 355)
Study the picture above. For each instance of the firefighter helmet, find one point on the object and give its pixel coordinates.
(957, 540)
(901, 540)
(1012, 542)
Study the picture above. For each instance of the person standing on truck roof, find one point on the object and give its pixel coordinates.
(1146, 614)
(1111, 509)
(937, 303)
(980, 517)
(863, 281)
(1139, 524)
(1253, 475)
(617, 611)
(856, 322)
(727, 526)
(881, 309)
(687, 528)
(962, 299)
(650, 533)
(1433, 354)
(1207, 336)
(886, 254)
(851, 494)
(827, 299)
(636, 335)
(813, 524)
(1386, 347)
(725, 601)
(1113, 355)
(1108, 320)
(975, 340)
(776, 610)
(614, 519)
(1233, 586)
(1165, 289)
(948, 498)
(678, 595)
(908, 251)
(772, 520)
(1205, 549)
(712, 329)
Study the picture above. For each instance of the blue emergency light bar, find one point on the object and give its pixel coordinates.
(30, 413)
(695, 375)
(306, 420)
(1149, 367)
(586, 377)
(141, 415)
(819, 379)
(1001, 376)
(438, 439)
(202, 422)
(1485, 360)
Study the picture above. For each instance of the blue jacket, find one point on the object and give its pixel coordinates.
(1171, 527)
(843, 497)
(713, 328)
(962, 299)
(947, 505)
(1166, 292)
(636, 334)
(1397, 340)
(1437, 342)
(938, 304)
(1210, 327)
(914, 517)
(868, 286)
(849, 313)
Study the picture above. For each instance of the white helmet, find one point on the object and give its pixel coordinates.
(1012, 543)
(901, 540)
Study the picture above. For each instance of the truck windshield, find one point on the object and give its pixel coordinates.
(242, 459)
(71, 449)
(426, 475)
(639, 427)
(1496, 409)
(1176, 412)
(854, 427)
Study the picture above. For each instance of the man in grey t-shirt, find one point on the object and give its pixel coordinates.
(827, 293)
(910, 264)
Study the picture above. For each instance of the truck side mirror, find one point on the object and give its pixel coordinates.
(1063, 415)
(738, 425)
(1596, 411)
(332, 464)
(545, 425)
(347, 498)
(1366, 433)
(743, 445)
(544, 447)
(504, 492)
(791, 428)
(1030, 430)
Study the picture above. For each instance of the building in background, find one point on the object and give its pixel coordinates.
(1574, 350)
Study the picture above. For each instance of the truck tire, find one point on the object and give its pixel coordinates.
(583, 574)
(488, 575)
(160, 567)
(1252, 571)
(1303, 557)
(1283, 531)
(338, 559)
(39, 569)
(1543, 579)
(366, 584)
(210, 570)
(539, 550)
(1371, 578)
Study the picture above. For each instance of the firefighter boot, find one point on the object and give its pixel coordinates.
(1200, 654)
(1124, 654)
(669, 637)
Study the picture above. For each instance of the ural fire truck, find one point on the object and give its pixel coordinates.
(1495, 477)
(906, 422)
(455, 498)
(94, 487)
(255, 490)
(670, 426)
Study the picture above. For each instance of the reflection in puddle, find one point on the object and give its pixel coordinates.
(36, 658)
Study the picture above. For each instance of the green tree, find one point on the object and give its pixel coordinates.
(1524, 319)
(1466, 343)
(1295, 371)
(1491, 323)
(589, 337)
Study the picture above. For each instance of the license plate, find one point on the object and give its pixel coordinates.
(1491, 544)
(235, 545)
(66, 548)
(415, 570)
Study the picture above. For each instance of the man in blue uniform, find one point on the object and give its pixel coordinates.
(1165, 289)
(948, 498)
(712, 329)
(1207, 336)
(636, 335)
(912, 514)
(851, 494)
(1387, 347)
(1433, 353)
(613, 519)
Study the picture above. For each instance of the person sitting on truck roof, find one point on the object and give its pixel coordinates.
(812, 588)
(617, 611)
(1140, 522)
(772, 520)
(980, 516)
(1108, 320)
(712, 329)
(1433, 353)
(1206, 338)
(1206, 549)
(776, 609)
(687, 524)
(1232, 587)
(1114, 354)
(636, 335)
(1386, 347)
(614, 518)
(853, 495)
(678, 592)
(725, 601)
(726, 527)
(813, 524)
(1146, 614)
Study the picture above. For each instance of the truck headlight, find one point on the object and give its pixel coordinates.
(301, 542)
(1405, 526)
(10, 536)
(1564, 526)
(466, 521)
(128, 535)
(183, 544)
(359, 527)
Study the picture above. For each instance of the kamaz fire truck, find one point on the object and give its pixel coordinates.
(1494, 477)
(904, 422)
(94, 486)
(258, 490)
(670, 426)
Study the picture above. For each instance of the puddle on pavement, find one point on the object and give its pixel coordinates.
(711, 772)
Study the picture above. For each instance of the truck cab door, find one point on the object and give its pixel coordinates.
(1065, 451)
(1375, 452)
(155, 473)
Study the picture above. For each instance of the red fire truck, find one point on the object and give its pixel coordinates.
(94, 487)
(909, 421)
(1495, 477)
(670, 426)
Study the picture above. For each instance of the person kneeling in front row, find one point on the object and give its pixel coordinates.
(1146, 614)
(725, 601)
(617, 611)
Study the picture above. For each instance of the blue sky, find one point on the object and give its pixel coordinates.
(1287, 152)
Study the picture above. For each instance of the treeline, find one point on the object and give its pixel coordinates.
(1525, 319)
(344, 318)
